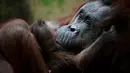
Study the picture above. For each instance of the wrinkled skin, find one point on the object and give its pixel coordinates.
(84, 28)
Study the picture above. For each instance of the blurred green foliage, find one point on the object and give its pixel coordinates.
(53, 9)
(50, 2)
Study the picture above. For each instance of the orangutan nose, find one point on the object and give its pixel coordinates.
(73, 28)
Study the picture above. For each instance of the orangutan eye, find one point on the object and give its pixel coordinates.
(87, 20)
(81, 15)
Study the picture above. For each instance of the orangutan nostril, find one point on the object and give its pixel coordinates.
(72, 28)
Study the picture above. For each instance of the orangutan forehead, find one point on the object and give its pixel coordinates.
(96, 9)
(92, 6)
(95, 6)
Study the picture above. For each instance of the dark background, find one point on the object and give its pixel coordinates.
(15, 9)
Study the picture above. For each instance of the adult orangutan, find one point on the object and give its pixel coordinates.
(22, 51)
(82, 31)
(109, 54)
(104, 54)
